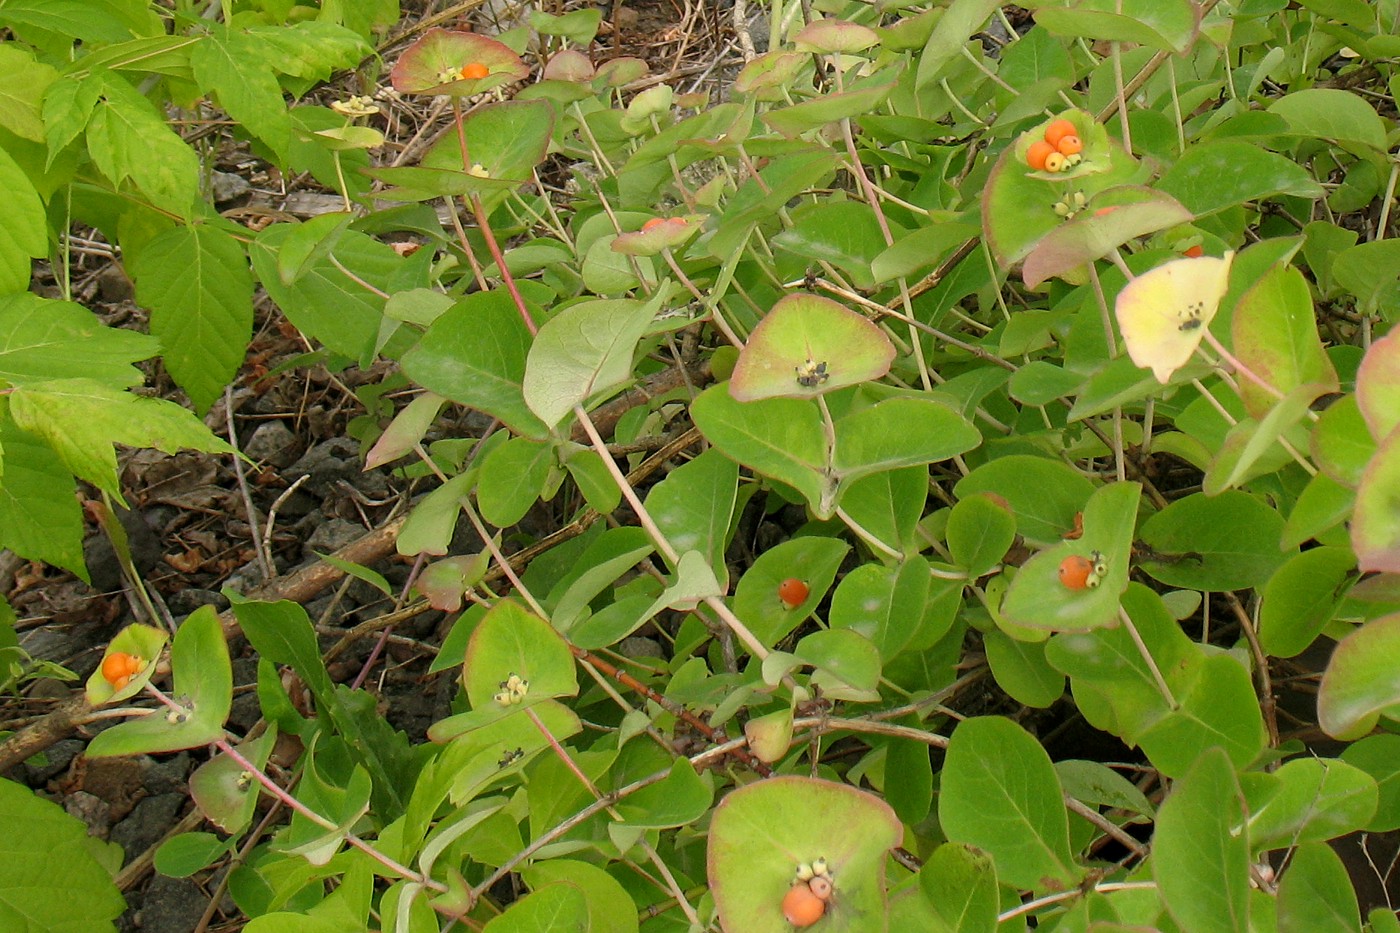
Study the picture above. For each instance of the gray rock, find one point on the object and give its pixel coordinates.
(147, 823)
(332, 536)
(331, 460)
(273, 443)
(172, 905)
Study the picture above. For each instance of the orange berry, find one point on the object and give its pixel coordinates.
(119, 667)
(1075, 571)
(473, 70)
(1055, 162)
(1069, 145)
(793, 592)
(1036, 155)
(653, 223)
(1194, 252)
(1057, 130)
(802, 907)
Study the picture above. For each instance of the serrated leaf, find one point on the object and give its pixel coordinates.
(41, 339)
(232, 65)
(23, 81)
(310, 49)
(24, 235)
(82, 419)
(39, 517)
(48, 857)
(197, 283)
(129, 139)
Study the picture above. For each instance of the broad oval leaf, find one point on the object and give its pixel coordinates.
(808, 345)
(1359, 683)
(584, 350)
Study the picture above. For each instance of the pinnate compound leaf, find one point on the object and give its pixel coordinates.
(311, 49)
(42, 339)
(39, 517)
(1360, 681)
(1001, 794)
(203, 689)
(128, 138)
(236, 69)
(760, 833)
(82, 419)
(1200, 861)
(197, 283)
(24, 235)
(583, 351)
(52, 882)
(23, 81)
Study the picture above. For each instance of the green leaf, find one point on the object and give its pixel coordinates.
(24, 235)
(1120, 215)
(899, 432)
(23, 81)
(1200, 862)
(694, 506)
(234, 66)
(1341, 444)
(610, 908)
(847, 664)
(513, 478)
(813, 560)
(182, 855)
(1329, 113)
(311, 49)
(1315, 894)
(197, 283)
(960, 883)
(129, 139)
(1379, 756)
(1038, 599)
(1367, 270)
(1217, 175)
(816, 112)
(474, 354)
(281, 632)
(82, 419)
(560, 906)
(1309, 800)
(509, 641)
(889, 504)
(950, 34)
(203, 689)
(762, 832)
(1045, 494)
(42, 339)
(843, 233)
(910, 793)
(325, 303)
(507, 139)
(1375, 526)
(1020, 668)
(52, 879)
(1224, 542)
(583, 351)
(1000, 794)
(1359, 683)
(885, 604)
(39, 517)
(1218, 709)
(1275, 333)
(681, 797)
(1301, 597)
(225, 793)
(1168, 25)
(778, 437)
(980, 531)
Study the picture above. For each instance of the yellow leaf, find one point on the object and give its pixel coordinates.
(1164, 313)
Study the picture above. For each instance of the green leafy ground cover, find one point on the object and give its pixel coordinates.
(950, 447)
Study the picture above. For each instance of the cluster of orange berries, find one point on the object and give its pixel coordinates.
(1058, 150)
(805, 902)
(119, 667)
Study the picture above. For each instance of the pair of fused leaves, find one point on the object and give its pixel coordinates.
(765, 417)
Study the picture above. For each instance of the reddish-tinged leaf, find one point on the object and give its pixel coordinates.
(1375, 525)
(1378, 386)
(434, 64)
